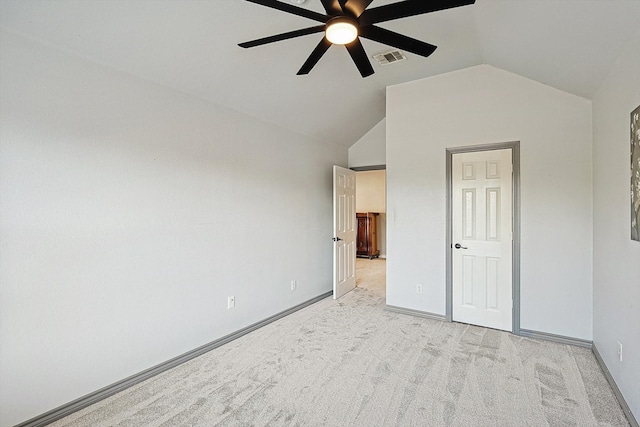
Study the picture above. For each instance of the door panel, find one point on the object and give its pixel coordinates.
(482, 227)
(344, 231)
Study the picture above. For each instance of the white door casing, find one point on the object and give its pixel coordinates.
(482, 226)
(344, 231)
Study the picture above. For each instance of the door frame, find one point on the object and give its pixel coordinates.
(515, 245)
(377, 168)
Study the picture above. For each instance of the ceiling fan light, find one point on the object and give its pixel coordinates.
(341, 31)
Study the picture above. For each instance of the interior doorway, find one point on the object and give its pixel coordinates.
(483, 235)
(482, 228)
(371, 212)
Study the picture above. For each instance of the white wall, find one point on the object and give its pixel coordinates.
(483, 105)
(371, 196)
(370, 150)
(616, 265)
(129, 213)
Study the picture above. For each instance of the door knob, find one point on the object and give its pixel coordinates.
(336, 239)
(459, 246)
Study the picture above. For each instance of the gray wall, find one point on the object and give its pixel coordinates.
(129, 213)
(616, 266)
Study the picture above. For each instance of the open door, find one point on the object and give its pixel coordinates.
(344, 231)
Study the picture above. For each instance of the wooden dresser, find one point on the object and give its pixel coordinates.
(366, 235)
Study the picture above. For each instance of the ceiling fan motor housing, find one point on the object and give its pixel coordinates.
(342, 30)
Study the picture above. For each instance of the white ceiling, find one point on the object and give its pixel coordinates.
(191, 46)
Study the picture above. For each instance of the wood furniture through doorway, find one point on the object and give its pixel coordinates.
(367, 238)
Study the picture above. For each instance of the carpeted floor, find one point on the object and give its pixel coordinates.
(371, 274)
(351, 363)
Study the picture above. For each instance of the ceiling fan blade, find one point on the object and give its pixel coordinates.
(407, 8)
(356, 7)
(283, 36)
(332, 7)
(394, 39)
(359, 56)
(315, 56)
(274, 4)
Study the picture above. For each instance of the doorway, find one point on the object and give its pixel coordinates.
(371, 220)
(483, 235)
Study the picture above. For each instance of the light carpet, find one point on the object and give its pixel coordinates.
(351, 363)
(371, 275)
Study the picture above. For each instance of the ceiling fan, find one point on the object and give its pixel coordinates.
(348, 20)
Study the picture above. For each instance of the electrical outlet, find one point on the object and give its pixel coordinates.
(620, 351)
(418, 289)
(231, 302)
(294, 285)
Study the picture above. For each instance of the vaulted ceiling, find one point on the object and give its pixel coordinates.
(191, 46)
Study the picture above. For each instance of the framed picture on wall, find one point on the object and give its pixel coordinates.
(635, 174)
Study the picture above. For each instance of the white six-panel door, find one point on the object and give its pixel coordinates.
(482, 238)
(344, 231)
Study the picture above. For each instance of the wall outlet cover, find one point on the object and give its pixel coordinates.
(620, 351)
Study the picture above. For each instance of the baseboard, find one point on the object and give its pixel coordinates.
(560, 339)
(623, 403)
(110, 390)
(417, 313)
